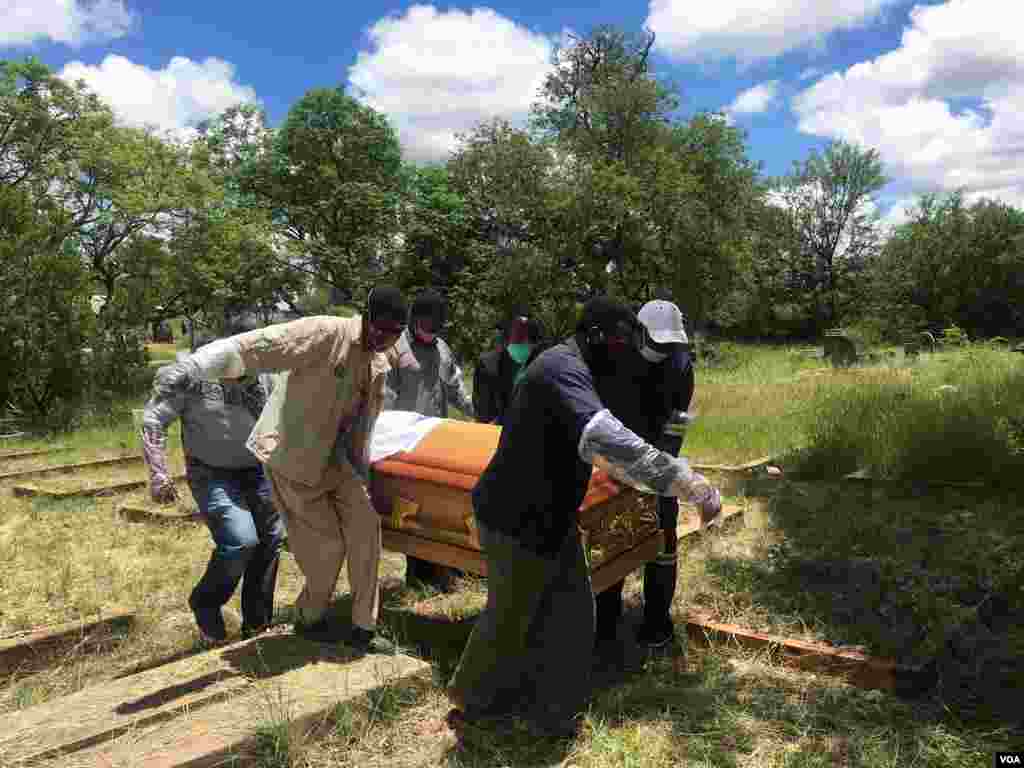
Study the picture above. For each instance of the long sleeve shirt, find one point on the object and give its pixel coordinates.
(425, 378)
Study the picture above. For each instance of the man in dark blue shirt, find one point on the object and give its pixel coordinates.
(531, 648)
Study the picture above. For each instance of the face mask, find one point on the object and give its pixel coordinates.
(651, 356)
(519, 352)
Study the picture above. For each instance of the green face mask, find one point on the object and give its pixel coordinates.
(519, 352)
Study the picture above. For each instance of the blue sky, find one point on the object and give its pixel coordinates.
(936, 86)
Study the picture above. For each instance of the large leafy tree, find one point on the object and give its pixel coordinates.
(955, 263)
(604, 111)
(513, 194)
(332, 180)
(829, 200)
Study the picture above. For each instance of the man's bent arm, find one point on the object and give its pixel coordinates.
(607, 444)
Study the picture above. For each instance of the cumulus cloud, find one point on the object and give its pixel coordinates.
(753, 100)
(172, 99)
(437, 73)
(945, 109)
(748, 30)
(71, 22)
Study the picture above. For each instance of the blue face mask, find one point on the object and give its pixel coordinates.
(519, 352)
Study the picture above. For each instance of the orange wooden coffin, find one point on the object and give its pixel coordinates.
(423, 497)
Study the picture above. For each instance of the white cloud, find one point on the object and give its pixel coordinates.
(171, 99)
(945, 109)
(437, 73)
(753, 100)
(74, 23)
(748, 30)
(899, 213)
(809, 73)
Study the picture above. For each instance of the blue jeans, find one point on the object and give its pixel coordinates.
(247, 533)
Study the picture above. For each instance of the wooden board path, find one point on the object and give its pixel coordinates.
(25, 454)
(29, 650)
(198, 711)
(159, 514)
(60, 468)
(34, 489)
(857, 668)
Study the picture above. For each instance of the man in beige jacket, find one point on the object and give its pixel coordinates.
(313, 437)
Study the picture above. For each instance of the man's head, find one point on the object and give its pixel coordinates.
(521, 334)
(427, 316)
(663, 329)
(384, 320)
(610, 333)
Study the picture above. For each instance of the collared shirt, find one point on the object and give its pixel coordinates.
(216, 418)
(331, 385)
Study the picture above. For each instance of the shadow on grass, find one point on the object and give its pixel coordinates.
(932, 579)
(714, 714)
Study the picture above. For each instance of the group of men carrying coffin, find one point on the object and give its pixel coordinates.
(265, 453)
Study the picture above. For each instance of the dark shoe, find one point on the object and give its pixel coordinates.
(655, 638)
(209, 620)
(365, 641)
(320, 631)
(559, 729)
(613, 658)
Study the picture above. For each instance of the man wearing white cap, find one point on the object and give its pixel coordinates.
(665, 376)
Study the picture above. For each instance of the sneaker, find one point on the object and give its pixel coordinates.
(366, 641)
(320, 631)
(209, 620)
(654, 638)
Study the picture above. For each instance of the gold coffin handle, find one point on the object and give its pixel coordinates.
(402, 509)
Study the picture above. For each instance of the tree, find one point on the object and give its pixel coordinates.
(332, 182)
(955, 263)
(829, 201)
(605, 111)
(434, 230)
(513, 199)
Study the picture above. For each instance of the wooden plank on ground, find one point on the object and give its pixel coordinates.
(202, 711)
(102, 712)
(865, 476)
(857, 668)
(31, 649)
(161, 515)
(36, 490)
(746, 467)
(116, 460)
(25, 454)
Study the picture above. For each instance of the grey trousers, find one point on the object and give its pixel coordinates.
(531, 650)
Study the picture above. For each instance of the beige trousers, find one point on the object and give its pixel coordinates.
(325, 523)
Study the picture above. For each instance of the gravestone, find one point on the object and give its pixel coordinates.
(840, 350)
(911, 346)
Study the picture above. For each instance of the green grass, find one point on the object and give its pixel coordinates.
(902, 427)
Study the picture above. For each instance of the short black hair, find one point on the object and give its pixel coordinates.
(607, 314)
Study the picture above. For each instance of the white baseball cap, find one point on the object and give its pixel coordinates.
(663, 321)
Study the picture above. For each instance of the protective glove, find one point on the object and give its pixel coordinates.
(162, 490)
(699, 492)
